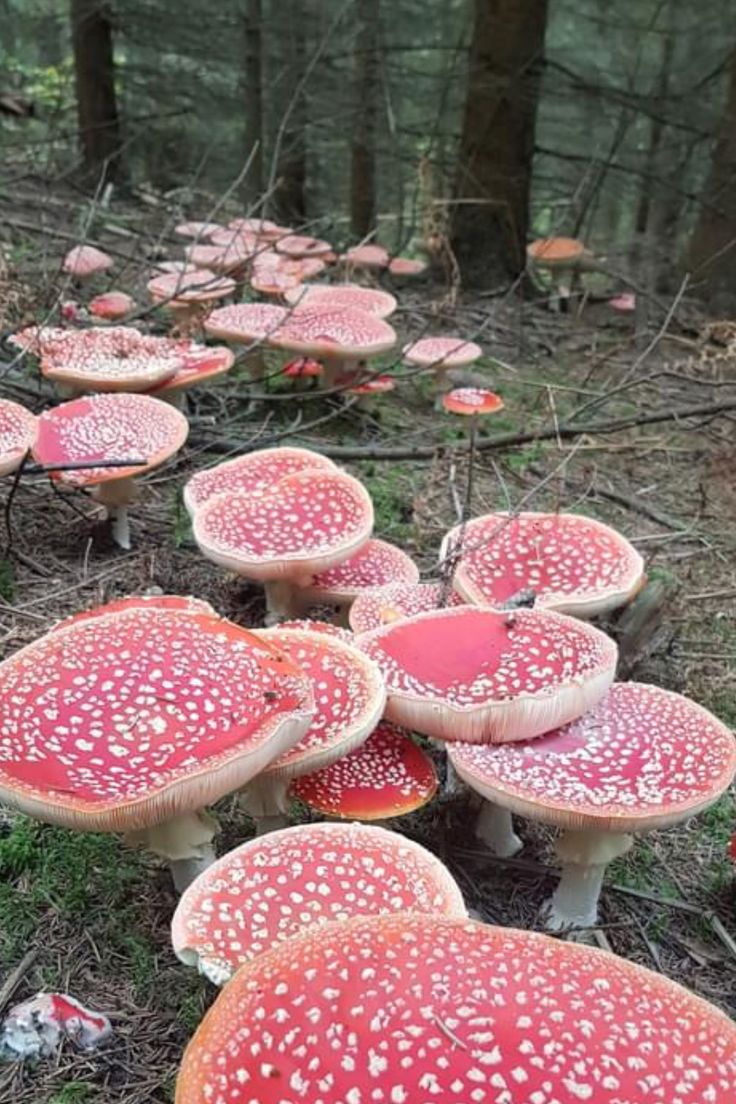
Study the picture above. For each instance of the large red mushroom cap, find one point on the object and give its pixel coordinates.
(124, 721)
(201, 362)
(571, 563)
(408, 1009)
(105, 428)
(555, 252)
(184, 289)
(245, 322)
(334, 332)
(406, 266)
(395, 602)
(447, 352)
(352, 296)
(376, 564)
(261, 227)
(366, 256)
(255, 472)
(109, 358)
(85, 261)
(471, 401)
(112, 306)
(480, 676)
(18, 428)
(300, 245)
(228, 258)
(184, 604)
(304, 524)
(387, 776)
(279, 886)
(327, 628)
(641, 758)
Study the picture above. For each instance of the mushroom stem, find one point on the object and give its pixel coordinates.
(584, 855)
(185, 841)
(283, 601)
(265, 799)
(336, 369)
(441, 382)
(495, 827)
(116, 495)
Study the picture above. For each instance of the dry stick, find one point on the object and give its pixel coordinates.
(16, 975)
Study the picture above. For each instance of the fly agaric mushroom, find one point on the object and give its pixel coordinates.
(246, 324)
(410, 1009)
(350, 698)
(176, 602)
(642, 758)
(261, 227)
(441, 354)
(247, 902)
(471, 401)
(480, 676)
(339, 337)
(109, 358)
(137, 430)
(366, 256)
(275, 274)
(201, 363)
(18, 429)
(567, 562)
(367, 389)
(85, 261)
(562, 258)
(352, 296)
(300, 245)
(134, 721)
(225, 259)
(326, 627)
(189, 294)
(376, 564)
(255, 472)
(406, 266)
(304, 524)
(112, 306)
(302, 369)
(625, 303)
(198, 230)
(395, 602)
(387, 776)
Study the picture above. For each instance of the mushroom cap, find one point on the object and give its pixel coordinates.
(177, 603)
(302, 368)
(366, 256)
(300, 245)
(406, 266)
(109, 427)
(395, 602)
(348, 691)
(436, 352)
(201, 362)
(245, 322)
(223, 257)
(307, 624)
(376, 564)
(305, 523)
(35, 339)
(123, 721)
(625, 302)
(471, 401)
(376, 385)
(641, 758)
(181, 289)
(261, 227)
(334, 332)
(574, 564)
(410, 1009)
(387, 776)
(18, 429)
(112, 305)
(84, 260)
(479, 676)
(353, 296)
(110, 358)
(194, 229)
(255, 472)
(554, 252)
(247, 902)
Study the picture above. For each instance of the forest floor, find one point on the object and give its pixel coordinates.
(86, 915)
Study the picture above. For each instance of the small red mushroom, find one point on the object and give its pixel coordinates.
(112, 306)
(339, 337)
(440, 354)
(376, 564)
(395, 602)
(369, 256)
(85, 261)
(471, 401)
(406, 266)
(303, 369)
(18, 429)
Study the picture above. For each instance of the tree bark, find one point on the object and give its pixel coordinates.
(497, 142)
(289, 199)
(711, 252)
(253, 96)
(94, 76)
(363, 145)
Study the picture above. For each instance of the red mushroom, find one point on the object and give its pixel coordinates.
(189, 294)
(178, 603)
(198, 230)
(387, 776)
(136, 720)
(305, 523)
(201, 363)
(300, 245)
(350, 697)
(366, 256)
(112, 306)
(108, 358)
(441, 354)
(276, 888)
(480, 676)
(99, 429)
(565, 562)
(246, 324)
(18, 429)
(352, 296)
(326, 627)
(407, 1009)
(471, 401)
(261, 227)
(275, 274)
(367, 389)
(341, 338)
(624, 303)
(303, 369)
(255, 473)
(376, 564)
(406, 266)
(226, 258)
(395, 602)
(85, 261)
(562, 258)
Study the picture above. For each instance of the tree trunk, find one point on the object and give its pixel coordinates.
(94, 76)
(291, 167)
(497, 141)
(711, 252)
(253, 96)
(362, 150)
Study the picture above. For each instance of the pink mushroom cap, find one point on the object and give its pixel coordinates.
(84, 261)
(472, 675)
(247, 903)
(18, 429)
(573, 564)
(352, 296)
(255, 473)
(305, 523)
(406, 266)
(300, 245)
(201, 362)
(108, 427)
(642, 758)
(110, 358)
(245, 322)
(184, 604)
(409, 1009)
(447, 352)
(471, 401)
(625, 302)
(367, 256)
(122, 721)
(374, 565)
(395, 602)
(376, 385)
(307, 624)
(334, 332)
(199, 230)
(112, 306)
(185, 288)
(303, 368)
(387, 776)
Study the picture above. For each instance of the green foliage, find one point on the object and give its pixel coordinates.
(391, 492)
(73, 1092)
